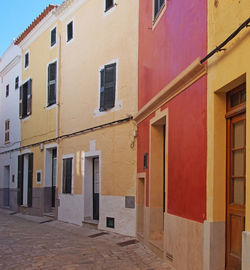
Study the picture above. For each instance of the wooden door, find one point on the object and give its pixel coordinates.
(236, 179)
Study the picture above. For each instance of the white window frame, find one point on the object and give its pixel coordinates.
(118, 103)
(72, 173)
(109, 10)
(55, 27)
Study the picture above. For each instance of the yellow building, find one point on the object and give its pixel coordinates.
(38, 114)
(98, 95)
(227, 230)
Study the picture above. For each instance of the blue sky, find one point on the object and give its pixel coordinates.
(17, 15)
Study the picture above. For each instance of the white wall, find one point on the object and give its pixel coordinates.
(10, 68)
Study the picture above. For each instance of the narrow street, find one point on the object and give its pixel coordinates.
(27, 244)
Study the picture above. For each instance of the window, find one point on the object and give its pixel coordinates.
(51, 84)
(107, 84)
(108, 4)
(26, 60)
(7, 90)
(25, 99)
(158, 4)
(17, 82)
(53, 37)
(7, 131)
(38, 177)
(67, 175)
(69, 31)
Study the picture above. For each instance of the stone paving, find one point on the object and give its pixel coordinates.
(30, 245)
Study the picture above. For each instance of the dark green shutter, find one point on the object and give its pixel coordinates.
(109, 86)
(30, 179)
(29, 97)
(67, 175)
(20, 180)
(52, 84)
(21, 102)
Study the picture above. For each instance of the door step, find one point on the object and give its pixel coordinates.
(90, 223)
(50, 214)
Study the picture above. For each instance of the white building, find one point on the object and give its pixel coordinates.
(10, 79)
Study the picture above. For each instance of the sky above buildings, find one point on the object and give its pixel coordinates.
(17, 15)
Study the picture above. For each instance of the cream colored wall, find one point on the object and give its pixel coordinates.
(98, 40)
(226, 70)
(118, 159)
(41, 124)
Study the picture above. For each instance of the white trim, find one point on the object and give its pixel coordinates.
(67, 8)
(72, 173)
(38, 30)
(11, 65)
(51, 29)
(39, 171)
(26, 52)
(118, 103)
(106, 13)
(51, 145)
(46, 148)
(53, 105)
(25, 151)
(73, 30)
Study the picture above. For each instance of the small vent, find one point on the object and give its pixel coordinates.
(110, 222)
(127, 243)
(145, 161)
(97, 235)
(169, 257)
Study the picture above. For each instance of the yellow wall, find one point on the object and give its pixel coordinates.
(41, 124)
(118, 159)
(98, 40)
(226, 70)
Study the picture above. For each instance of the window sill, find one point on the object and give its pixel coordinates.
(158, 16)
(52, 106)
(109, 10)
(118, 106)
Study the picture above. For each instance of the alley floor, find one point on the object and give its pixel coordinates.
(27, 244)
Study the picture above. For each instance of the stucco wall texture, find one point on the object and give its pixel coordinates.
(165, 51)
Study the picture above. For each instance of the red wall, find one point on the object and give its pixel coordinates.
(177, 40)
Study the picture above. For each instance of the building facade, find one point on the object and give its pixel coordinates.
(172, 130)
(98, 96)
(37, 162)
(10, 77)
(228, 185)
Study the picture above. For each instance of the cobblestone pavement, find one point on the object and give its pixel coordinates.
(27, 245)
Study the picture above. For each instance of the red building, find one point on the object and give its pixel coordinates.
(172, 142)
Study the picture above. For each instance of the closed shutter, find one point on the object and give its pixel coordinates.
(30, 179)
(21, 102)
(109, 86)
(67, 175)
(20, 180)
(29, 97)
(69, 31)
(52, 84)
(53, 37)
